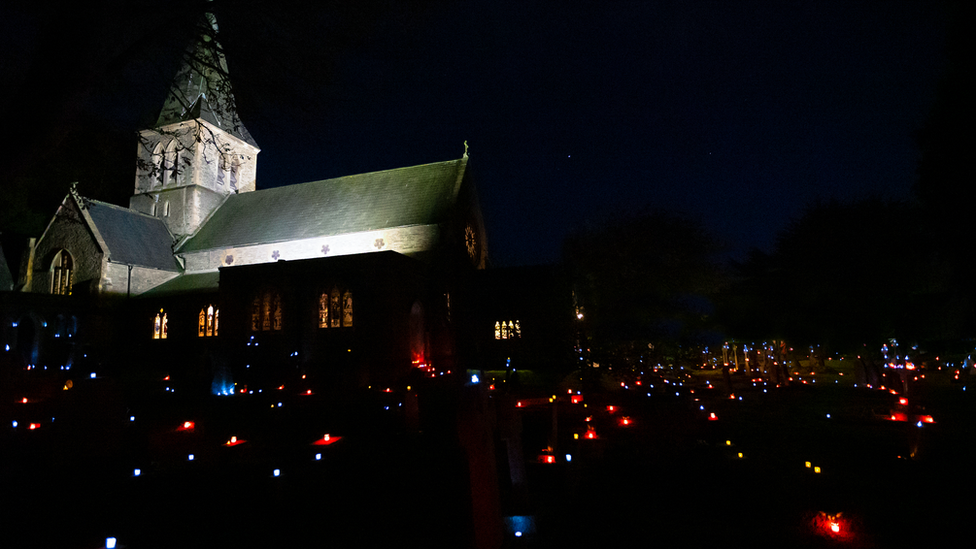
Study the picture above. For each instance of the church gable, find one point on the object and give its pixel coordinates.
(67, 258)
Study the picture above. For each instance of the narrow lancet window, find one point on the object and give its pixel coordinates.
(323, 310)
(266, 312)
(335, 308)
(347, 309)
(160, 325)
(62, 274)
(210, 321)
(508, 329)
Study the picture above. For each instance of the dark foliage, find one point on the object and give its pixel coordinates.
(645, 278)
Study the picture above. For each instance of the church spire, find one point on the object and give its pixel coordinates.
(198, 153)
(202, 86)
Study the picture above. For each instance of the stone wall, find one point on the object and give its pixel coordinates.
(209, 166)
(70, 232)
(405, 240)
(117, 279)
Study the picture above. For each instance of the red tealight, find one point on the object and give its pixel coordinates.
(326, 440)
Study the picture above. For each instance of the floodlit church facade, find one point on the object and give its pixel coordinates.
(363, 277)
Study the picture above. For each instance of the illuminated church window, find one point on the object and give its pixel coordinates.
(508, 329)
(160, 327)
(256, 313)
(266, 312)
(323, 310)
(207, 322)
(62, 273)
(335, 308)
(347, 308)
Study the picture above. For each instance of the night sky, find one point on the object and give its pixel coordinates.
(736, 113)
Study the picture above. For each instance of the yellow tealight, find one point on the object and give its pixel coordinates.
(816, 469)
(808, 464)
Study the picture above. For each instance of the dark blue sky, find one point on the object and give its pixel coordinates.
(739, 113)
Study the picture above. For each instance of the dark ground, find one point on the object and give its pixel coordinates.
(669, 479)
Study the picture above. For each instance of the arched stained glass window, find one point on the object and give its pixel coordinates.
(335, 308)
(266, 312)
(160, 325)
(62, 272)
(508, 329)
(202, 324)
(347, 309)
(256, 313)
(210, 321)
(323, 310)
(276, 306)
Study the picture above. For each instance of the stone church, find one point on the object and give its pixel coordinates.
(363, 277)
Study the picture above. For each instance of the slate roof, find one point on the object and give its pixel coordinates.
(188, 283)
(417, 195)
(132, 237)
(205, 70)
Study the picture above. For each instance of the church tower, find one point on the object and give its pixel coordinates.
(198, 152)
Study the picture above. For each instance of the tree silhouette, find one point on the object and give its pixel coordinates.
(645, 278)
